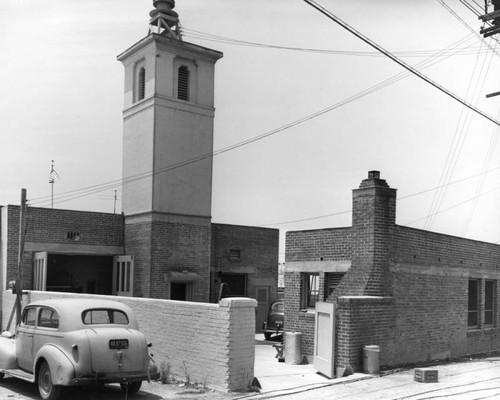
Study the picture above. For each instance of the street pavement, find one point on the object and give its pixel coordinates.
(471, 379)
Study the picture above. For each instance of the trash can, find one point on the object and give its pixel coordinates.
(293, 347)
(371, 355)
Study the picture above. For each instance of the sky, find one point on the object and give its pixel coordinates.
(319, 100)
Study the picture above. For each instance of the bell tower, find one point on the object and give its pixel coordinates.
(167, 165)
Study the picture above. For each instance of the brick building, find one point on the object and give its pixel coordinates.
(164, 244)
(418, 295)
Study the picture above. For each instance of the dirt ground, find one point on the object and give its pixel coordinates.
(14, 389)
(180, 391)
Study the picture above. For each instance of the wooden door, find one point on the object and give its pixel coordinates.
(262, 297)
(40, 271)
(123, 276)
(25, 332)
(324, 339)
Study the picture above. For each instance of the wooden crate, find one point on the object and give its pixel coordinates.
(426, 375)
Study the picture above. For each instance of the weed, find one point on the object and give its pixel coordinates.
(165, 372)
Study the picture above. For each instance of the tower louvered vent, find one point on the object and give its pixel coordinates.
(183, 83)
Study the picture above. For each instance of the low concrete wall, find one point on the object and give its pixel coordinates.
(201, 342)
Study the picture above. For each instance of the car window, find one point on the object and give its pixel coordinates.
(278, 307)
(48, 318)
(29, 317)
(104, 316)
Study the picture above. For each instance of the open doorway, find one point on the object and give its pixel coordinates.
(78, 274)
(236, 284)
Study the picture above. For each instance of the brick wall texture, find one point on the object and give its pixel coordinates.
(259, 249)
(44, 225)
(212, 343)
(160, 247)
(406, 290)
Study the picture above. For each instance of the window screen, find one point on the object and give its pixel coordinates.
(472, 319)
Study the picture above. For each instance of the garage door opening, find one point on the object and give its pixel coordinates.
(78, 274)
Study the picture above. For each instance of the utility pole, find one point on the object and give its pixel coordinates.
(18, 287)
(493, 16)
(52, 176)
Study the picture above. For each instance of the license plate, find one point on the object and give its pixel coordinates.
(118, 344)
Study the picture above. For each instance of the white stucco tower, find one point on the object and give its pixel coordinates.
(167, 169)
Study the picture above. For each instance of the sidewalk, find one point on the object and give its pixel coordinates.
(278, 376)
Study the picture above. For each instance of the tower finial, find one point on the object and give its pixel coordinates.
(164, 20)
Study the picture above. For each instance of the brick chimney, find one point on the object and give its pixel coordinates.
(373, 216)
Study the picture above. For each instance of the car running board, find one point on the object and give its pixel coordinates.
(20, 374)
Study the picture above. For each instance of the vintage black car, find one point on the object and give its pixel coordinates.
(275, 320)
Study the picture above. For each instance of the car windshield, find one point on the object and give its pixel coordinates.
(278, 307)
(104, 316)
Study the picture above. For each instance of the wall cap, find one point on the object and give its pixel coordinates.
(238, 302)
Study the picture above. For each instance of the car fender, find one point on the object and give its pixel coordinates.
(62, 369)
(8, 358)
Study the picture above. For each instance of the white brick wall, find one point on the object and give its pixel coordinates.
(212, 343)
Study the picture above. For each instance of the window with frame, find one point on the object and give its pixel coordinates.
(48, 318)
(473, 307)
(139, 92)
(310, 295)
(29, 317)
(104, 316)
(489, 302)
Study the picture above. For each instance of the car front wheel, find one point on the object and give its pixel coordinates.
(47, 390)
(133, 387)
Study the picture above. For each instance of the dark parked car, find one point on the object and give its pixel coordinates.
(275, 320)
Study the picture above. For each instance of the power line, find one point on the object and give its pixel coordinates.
(78, 193)
(461, 20)
(471, 8)
(482, 173)
(415, 53)
(398, 61)
(456, 205)
(461, 133)
(480, 183)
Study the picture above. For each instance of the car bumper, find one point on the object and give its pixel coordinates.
(109, 378)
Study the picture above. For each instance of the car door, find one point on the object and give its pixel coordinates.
(46, 330)
(24, 339)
